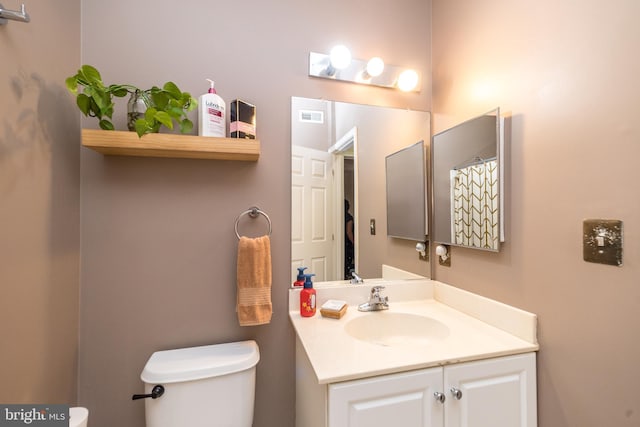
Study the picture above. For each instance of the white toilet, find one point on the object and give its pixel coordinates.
(78, 417)
(212, 385)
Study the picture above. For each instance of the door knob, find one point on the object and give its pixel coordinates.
(440, 397)
(457, 394)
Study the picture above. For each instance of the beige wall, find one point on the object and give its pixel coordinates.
(158, 248)
(568, 74)
(39, 205)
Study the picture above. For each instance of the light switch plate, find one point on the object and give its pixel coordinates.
(602, 241)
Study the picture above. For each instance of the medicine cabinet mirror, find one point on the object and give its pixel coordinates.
(406, 193)
(338, 154)
(468, 180)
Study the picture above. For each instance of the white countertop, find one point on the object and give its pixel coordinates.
(479, 328)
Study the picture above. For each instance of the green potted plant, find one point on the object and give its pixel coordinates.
(164, 106)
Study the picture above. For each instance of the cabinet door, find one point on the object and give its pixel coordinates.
(405, 399)
(497, 392)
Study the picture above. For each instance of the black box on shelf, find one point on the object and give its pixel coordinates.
(242, 120)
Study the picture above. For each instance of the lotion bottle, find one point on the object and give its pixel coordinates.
(308, 298)
(211, 114)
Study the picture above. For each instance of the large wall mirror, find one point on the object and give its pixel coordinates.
(338, 153)
(468, 183)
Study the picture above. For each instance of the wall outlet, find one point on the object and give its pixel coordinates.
(602, 241)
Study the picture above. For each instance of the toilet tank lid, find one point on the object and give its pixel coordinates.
(194, 363)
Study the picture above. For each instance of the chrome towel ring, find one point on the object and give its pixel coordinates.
(253, 213)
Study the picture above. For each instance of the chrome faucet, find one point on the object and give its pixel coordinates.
(355, 278)
(376, 301)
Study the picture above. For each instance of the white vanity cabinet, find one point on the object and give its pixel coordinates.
(477, 368)
(405, 399)
(498, 392)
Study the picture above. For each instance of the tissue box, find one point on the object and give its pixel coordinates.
(333, 308)
(242, 120)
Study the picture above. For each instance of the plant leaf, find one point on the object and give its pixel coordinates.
(101, 98)
(186, 126)
(94, 110)
(118, 91)
(149, 114)
(164, 118)
(192, 105)
(175, 112)
(106, 124)
(90, 74)
(160, 99)
(72, 84)
(141, 127)
(84, 103)
(108, 111)
(172, 89)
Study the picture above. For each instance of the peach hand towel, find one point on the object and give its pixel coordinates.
(254, 281)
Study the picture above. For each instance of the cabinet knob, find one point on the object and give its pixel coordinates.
(457, 394)
(440, 397)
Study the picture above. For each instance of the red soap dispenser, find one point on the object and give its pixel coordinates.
(308, 298)
(300, 279)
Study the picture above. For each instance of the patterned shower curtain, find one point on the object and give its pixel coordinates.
(474, 205)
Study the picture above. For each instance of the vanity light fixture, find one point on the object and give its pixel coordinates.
(339, 65)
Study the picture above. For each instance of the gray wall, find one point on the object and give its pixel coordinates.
(39, 205)
(158, 248)
(568, 76)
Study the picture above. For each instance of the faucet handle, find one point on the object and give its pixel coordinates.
(376, 297)
(376, 289)
(376, 302)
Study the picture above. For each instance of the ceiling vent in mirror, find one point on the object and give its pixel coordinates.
(311, 116)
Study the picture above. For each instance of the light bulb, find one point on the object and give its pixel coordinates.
(340, 57)
(408, 80)
(375, 66)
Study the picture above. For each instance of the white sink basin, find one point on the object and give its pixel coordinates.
(387, 328)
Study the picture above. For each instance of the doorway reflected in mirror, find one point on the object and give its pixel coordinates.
(338, 153)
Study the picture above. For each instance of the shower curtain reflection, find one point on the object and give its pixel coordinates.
(475, 204)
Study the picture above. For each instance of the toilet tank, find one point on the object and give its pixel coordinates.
(211, 385)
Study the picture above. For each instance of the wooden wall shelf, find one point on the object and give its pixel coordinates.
(122, 143)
